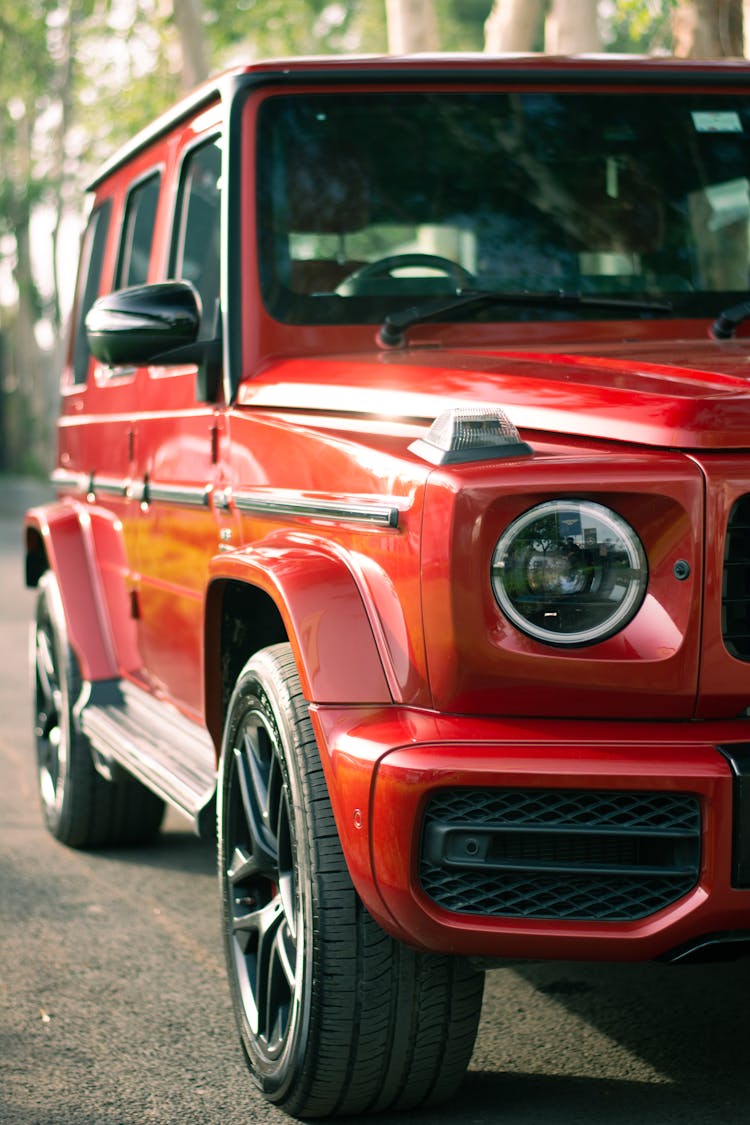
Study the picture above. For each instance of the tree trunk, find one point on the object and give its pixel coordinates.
(572, 28)
(708, 29)
(32, 443)
(412, 26)
(64, 87)
(188, 19)
(514, 25)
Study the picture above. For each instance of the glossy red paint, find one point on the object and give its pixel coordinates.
(83, 545)
(697, 401)
(480, 664)
(322, 611)
(383, 766)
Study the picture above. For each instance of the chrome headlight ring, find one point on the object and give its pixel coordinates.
(569, 572)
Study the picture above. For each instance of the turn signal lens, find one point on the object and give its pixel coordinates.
(569, 572)
(470, 434)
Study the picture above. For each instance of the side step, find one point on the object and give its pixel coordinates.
(152, 740)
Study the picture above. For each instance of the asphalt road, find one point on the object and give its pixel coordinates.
(114, 1008)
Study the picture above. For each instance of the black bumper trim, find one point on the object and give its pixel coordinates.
(738, 756)
(710, 948)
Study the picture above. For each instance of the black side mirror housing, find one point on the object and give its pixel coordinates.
(144, 323)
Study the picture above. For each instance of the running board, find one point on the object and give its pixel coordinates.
(154, 742)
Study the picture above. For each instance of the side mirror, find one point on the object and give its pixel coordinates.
(144, 323)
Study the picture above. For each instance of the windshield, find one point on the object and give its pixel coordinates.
(369, 203)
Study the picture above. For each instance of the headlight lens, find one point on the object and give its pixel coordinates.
(569, 572)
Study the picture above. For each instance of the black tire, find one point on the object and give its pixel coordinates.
(81, 808)
(335, 1017)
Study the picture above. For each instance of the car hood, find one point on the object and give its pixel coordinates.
(690, 394)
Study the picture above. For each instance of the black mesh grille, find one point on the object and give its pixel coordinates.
(565, 854)
(735, 595)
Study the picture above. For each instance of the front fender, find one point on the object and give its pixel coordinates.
(323, 614)
(82, 545)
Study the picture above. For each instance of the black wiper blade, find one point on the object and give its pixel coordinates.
(729, 319)
(393, 329)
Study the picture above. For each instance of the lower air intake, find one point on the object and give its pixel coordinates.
(580, 855)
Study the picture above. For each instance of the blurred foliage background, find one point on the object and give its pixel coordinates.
(78, 77)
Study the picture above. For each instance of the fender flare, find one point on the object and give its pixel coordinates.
(324, 617)
(83, 546)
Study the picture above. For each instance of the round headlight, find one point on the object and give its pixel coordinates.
(569, 572)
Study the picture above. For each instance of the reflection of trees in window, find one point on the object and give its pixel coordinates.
(138, 232)
(197, 244)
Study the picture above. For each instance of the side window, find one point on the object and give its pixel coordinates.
(196, 241)
(138, 233)
(89, 282)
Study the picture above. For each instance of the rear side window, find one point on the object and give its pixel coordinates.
(138, 232)
(196, 245)
(89, 283)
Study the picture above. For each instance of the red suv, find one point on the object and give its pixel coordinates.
(402, 532)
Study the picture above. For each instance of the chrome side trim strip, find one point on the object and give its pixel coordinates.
(381, 515)
(143, 491)
(61, 478)
(194, 496)
(112, 486)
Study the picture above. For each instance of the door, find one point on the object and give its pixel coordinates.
(176, 446)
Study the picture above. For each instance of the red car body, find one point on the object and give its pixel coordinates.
(288, 495)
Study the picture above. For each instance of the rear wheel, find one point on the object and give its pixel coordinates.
(334, 1015)
(81, 808)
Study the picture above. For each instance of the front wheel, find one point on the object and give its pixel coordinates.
(335, 1016)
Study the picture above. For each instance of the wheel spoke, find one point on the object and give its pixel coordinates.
(243, 865)
(46, 673)
(263, 937)
(262, 892)
(275, 974)
(44, 662)
(256, 921)
(50, 747)
(286, 955)
(254, 792)
(288, 902)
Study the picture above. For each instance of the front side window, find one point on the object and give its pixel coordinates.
(368, 203)
(90, 277)
(196, 248)
(138, 232)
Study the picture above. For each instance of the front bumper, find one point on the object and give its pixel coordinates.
(541, 839)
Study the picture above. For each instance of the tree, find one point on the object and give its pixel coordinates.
(37, 44)
(641, 26)
(412, 26)
(708, 28)
(572, 26)
(557, 26)
(188, 18)
(515, 25)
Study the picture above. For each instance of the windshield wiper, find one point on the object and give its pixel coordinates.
(392, 332)
(729, 319)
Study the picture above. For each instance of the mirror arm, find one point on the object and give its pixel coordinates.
(198, 352)
(206, 354)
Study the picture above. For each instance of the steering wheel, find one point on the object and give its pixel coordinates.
(355, 285)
